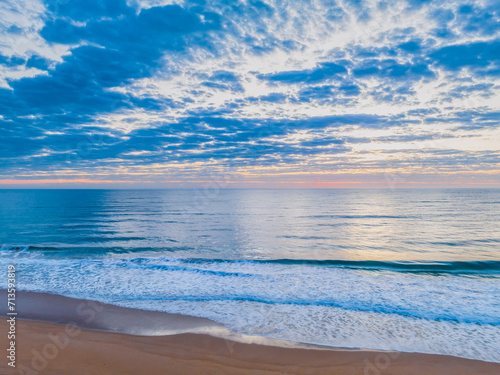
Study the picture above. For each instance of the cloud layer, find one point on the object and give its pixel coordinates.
(305, 93)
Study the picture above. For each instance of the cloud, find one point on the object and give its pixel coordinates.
(392, 69)
(223, 80)
(322, 72)
(116, 86)
(111, 52)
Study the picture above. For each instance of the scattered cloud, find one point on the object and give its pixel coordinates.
(138, 90)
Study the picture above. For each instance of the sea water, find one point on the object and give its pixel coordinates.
(415, 270)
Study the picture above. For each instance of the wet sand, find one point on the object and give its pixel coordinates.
(101, 347)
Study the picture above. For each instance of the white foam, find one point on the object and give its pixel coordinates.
(452, 314)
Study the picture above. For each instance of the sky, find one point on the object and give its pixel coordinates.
(222, 94)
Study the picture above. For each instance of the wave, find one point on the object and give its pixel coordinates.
(416, 267)
(346, 306)
(390, 288)
(163, 267)
(97, 250)
(451, 267)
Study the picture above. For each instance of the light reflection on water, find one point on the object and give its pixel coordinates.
(430, 225)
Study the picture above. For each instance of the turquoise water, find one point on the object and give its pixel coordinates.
(412, 270)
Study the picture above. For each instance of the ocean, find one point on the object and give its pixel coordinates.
(414, 270)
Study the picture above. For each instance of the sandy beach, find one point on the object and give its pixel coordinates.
(86, 352)
(57, 348)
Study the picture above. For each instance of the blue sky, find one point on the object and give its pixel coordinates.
(249, 94)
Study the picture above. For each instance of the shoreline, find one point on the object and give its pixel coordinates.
(104, 317)
(48, 348)
(115, 340)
